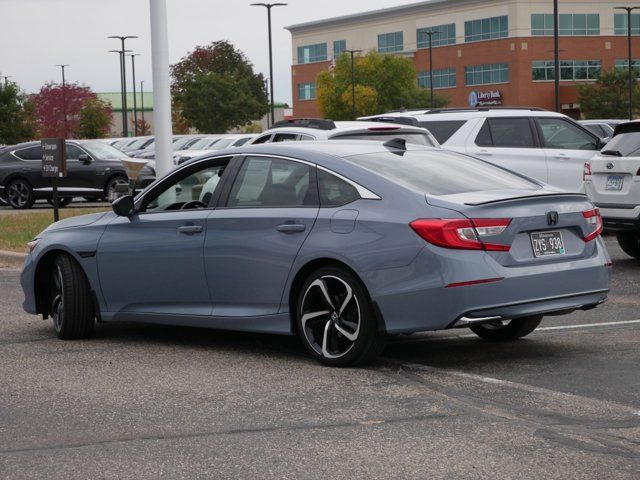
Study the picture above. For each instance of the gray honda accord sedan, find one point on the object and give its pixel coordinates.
(341, 243)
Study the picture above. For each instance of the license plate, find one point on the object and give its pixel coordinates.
(614, 182)
(547, 243)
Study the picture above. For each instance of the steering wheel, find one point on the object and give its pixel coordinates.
(194, 204)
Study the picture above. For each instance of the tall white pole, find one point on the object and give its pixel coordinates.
(161, 92)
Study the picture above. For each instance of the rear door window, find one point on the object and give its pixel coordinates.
(506, 133)
(442, 129)
(31, 153)
(285, 137)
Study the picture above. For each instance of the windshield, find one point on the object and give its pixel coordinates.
(139, 143)
(103, 151)
(203, 143)
(624, 145)
(417, 138)
(180, 142)
(222, 144)
(441, 172)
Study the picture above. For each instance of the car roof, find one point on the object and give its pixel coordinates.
(471, 112)
(354, 126)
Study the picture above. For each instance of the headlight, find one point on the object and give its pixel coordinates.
(33, 244)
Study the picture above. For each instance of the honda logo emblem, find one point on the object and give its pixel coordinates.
(552, 218)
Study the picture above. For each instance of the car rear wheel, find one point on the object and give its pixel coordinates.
(630, 243)
(111, 189)
(71, 305)
(508, 329)
(19, 194)
(336, 320)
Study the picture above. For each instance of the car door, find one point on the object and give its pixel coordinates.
(152, 263)
(567, 147)
(510, 142)
(81, 174)
(254, 236)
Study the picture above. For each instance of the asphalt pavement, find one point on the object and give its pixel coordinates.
(139, 402)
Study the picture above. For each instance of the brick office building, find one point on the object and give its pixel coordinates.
(495, 52)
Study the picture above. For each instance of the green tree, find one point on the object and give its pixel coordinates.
(608, 97)
(383, 82)
(17, 122)
(94, 119)
(217, 90)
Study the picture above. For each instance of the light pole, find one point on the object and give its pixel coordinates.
(556, 57)
(123, 74)
(64, 100)
(430, 33)
(142, 101)
(630, 79)
(269, 6)
(135, 104)
(353, 82)
(124, 119)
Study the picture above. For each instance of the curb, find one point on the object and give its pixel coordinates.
(11, 259)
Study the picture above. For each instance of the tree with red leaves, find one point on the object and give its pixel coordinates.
(53, 100)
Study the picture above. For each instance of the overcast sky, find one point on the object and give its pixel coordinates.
(35, 35)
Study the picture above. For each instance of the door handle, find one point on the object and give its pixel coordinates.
(291, 227)
(190, 229)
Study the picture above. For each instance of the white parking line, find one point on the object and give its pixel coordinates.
(588, 325)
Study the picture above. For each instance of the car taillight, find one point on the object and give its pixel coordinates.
(595, 220)
(466, 234)
(586, 172)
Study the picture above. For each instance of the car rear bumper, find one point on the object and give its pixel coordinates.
(422, 297)
(614, 224)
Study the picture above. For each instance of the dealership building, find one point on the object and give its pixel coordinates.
(489, 52)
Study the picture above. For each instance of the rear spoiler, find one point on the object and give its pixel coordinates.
(489, 202)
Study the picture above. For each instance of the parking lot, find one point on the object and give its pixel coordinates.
(150, 401)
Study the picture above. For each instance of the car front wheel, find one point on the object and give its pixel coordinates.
(71, 305)
(630, 243)
(508, 329)
(336, 320)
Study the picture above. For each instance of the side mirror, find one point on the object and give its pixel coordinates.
(85, 158)
(123, 206)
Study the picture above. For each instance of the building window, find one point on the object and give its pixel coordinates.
(446, 35)
(574, 24)
(620, 23)
(445, 78)
(485, 74)
(624, 65)
(486, 29)
(569, 70)
(306, 91)
(339, 46)
(312, 53)
(390, 42)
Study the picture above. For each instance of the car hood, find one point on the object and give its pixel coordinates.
(79, 221)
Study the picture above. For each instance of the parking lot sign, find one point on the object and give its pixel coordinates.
(54, 158)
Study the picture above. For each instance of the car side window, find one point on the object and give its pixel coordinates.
(192, 189)
(305, 137)
(559, 133)
(285, 137)
(483, 139)
(442, 130)
(262, 139)
(73, 152)
(334, 191)
(31, 153)
(511, 132)
(273, 182)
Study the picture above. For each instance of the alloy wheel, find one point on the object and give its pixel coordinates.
(18, 194)
(57, 304)
(330, 316)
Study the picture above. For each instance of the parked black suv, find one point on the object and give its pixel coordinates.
(94, 169)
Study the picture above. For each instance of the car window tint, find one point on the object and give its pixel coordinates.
(443, 129)
(262, 139)
(192, 189)
(483, 139)
(511, 132)
(417, 138)
(272, 182)
(31, 153)
(441, 172)
(73, 152)
(285, 137)
(305, 137)
(334, 191)
(241, 141)
(558, 133)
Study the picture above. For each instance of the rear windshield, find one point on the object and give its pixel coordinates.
(442, 129)
(624, 145)
(416, 138)
(441, 173)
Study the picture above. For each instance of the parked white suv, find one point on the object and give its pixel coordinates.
(612, 181)
(545, 145)
(320, 129)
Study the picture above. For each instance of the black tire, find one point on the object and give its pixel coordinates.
(71, 305)
(517, 328)
(342, 316)
(19, 194)
(630, 243)
(62, 202)
(110, 193)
